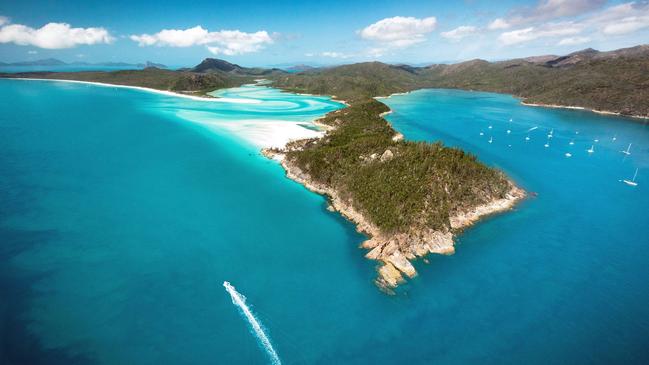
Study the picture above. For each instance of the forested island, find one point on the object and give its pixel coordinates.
(410, 198)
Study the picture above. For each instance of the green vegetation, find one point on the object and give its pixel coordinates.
(353, 82)
(422, 185)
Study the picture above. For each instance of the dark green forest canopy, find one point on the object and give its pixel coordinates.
(422, 185)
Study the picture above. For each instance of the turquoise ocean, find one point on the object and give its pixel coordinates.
(122, 212)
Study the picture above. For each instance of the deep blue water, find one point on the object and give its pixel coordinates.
(122, 212)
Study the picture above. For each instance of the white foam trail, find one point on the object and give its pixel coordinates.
(531, 129)
(240, 301)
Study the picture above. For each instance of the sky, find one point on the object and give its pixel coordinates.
(279, 32)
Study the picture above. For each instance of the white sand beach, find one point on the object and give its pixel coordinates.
(265, 133)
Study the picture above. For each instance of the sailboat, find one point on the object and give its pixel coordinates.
(568, 154)
(490, 127)
(481, 133)
(614, 137)
(528, 137)
(551, 133)
(632, 181)
(572, 142)
(591, 149)
(509, 126)
(547, 144)
(628, 150)
(491, 139)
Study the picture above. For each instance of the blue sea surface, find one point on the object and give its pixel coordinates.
(122, 213)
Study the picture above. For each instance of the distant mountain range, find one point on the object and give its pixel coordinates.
(55, 62)
(615, 81)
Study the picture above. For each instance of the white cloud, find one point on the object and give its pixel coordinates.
(573, 41)
(334, 54)
(551, 9)
(52, 35)
(460, 32)
(546, 10)
(612, 21)
(518, 36)
(227, 42)
(625, 26)
(623, 19)
(234, 42)
(498, 24)
(173, 37)
(399, 31)
(375, 52)
(533, 33)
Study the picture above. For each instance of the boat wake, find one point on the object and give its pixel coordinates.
(240, 301)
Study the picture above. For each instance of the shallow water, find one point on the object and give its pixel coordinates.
(122, 213)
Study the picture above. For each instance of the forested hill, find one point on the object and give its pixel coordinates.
(616, 81)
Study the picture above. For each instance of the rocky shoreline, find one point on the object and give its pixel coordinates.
(395, 251)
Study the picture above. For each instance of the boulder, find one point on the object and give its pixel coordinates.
(389, 276)
(387, 156)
